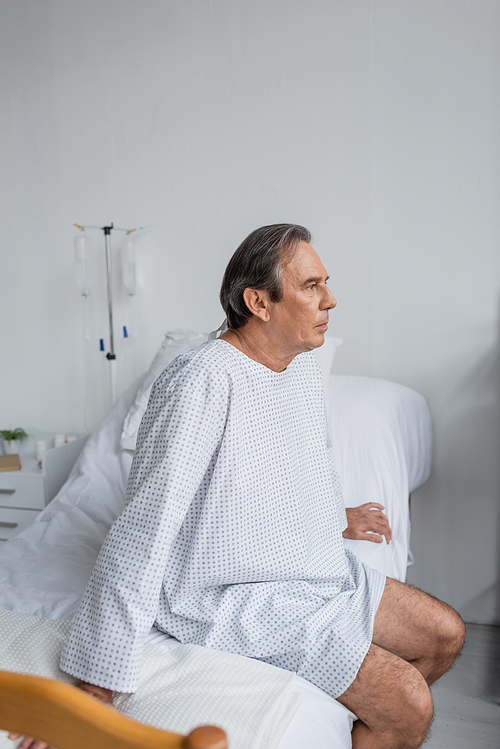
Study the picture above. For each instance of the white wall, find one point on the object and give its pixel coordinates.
(373, 123)
(436, 273)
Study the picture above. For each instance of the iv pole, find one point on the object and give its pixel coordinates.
(110, 356)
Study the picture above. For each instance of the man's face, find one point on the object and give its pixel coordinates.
(301, 318)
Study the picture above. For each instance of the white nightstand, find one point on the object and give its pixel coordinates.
(24, 493)
(22, 497)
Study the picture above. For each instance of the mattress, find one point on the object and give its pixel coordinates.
(382, 446)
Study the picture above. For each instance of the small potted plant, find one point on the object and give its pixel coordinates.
(12, 439)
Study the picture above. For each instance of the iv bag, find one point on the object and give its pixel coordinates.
(83, 262)
(128, 265)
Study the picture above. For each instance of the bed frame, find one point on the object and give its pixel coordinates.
(67, 718)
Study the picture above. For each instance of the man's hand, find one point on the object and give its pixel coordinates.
(100, 693)
(104, 695)
(367, 517)
(28, 742)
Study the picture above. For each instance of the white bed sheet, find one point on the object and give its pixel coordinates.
(319, 721)
(252, 700)
(381, 443)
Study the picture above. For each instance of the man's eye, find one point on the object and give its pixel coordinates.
(311, 286)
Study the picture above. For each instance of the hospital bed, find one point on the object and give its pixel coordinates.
(381, 437)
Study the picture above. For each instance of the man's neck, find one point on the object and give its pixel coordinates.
(263, 349)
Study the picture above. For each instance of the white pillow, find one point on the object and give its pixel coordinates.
(175, 342)
(179, 342)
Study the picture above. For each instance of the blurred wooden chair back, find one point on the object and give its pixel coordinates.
(67, 718)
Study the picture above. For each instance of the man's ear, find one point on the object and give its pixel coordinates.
(258, 302)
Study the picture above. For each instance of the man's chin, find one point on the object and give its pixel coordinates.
(317, 339)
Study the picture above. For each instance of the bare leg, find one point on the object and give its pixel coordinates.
(416, 638)
(418, 628)
(392, 701)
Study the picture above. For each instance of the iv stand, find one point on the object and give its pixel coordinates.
(110, 356)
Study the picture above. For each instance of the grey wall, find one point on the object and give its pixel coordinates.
(376, 124)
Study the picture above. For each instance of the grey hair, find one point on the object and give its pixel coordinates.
(258, 263)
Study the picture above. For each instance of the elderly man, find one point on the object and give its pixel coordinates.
(232, 532)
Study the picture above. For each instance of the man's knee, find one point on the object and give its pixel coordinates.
(391, 698)
(444, 625)
(457, 633)
(416, 711)
(451, 633)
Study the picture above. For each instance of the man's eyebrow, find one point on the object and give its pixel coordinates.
(315, 279)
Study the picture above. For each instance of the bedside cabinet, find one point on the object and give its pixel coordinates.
(24, 493)
(22, 497)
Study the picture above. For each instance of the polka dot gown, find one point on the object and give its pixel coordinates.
(231, 536)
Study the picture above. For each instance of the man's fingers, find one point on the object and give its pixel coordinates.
(376, 518)
(376, 521)
(373, 537)
(373, 504)
(28, 742)
(380, 524)
(383, 529)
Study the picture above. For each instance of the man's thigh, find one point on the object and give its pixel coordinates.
(410, 623)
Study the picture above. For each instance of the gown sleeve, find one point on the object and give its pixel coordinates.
(178, 439)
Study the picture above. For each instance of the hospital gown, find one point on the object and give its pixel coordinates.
(231, 536)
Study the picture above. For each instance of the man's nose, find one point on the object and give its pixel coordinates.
(329, 301)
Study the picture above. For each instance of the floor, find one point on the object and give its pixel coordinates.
(467, 698)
